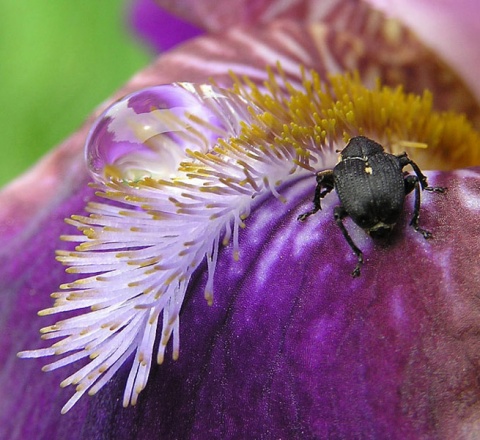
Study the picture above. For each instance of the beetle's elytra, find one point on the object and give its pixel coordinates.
(371, 186)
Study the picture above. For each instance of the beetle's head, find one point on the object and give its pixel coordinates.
(381, 230)
(360, 146)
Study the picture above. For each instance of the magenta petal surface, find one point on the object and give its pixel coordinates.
(293, 347)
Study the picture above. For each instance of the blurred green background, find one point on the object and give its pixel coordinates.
(58, 60)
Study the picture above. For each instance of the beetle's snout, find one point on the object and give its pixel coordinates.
(381, 230)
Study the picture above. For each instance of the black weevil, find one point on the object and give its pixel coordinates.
(371, 186)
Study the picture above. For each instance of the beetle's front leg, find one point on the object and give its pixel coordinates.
(412, 183)
(325, 182)
(404, 160)
(339, 214)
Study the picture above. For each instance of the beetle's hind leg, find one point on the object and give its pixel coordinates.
(339, 214)
(325, 182)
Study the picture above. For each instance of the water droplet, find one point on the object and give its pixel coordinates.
(147, 133)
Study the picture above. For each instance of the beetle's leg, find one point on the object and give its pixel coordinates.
(339, 214)
(412, 183)
(325, 182)
(404, 160)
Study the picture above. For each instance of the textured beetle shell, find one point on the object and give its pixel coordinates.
(372, 189)
(361, 147)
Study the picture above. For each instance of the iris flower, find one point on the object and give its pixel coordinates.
(259, 327)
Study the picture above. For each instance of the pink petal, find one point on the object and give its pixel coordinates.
(450, 27)
(220, 16)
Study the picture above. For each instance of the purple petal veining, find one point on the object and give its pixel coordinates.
(335, 357)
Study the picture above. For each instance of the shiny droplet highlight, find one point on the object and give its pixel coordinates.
(147, 133)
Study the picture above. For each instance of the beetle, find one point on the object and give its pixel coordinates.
(372, 187)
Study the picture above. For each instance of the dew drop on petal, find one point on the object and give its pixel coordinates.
(147, 133)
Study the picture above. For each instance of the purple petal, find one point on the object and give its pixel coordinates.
(33, 399)
(158, 28)
(293, 346)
